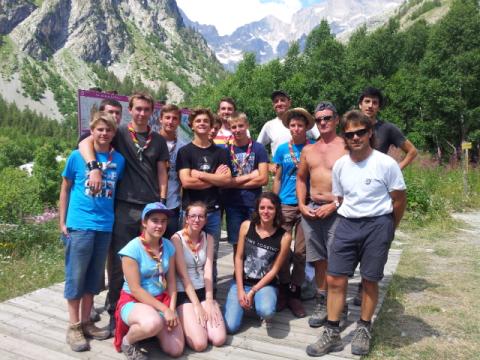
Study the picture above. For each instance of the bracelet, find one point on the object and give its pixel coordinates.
(92, 165)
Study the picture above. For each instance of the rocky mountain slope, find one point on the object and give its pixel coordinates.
(63, 45)
(269, 37)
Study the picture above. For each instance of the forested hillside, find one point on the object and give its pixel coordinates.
(430, 74)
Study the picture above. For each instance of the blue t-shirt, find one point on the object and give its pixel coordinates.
(288, 181)
(87, 211)
(147, 266)
(244, 197)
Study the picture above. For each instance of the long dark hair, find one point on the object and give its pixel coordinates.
(278, 219)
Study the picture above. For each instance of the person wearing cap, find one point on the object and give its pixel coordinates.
(317, 203)
(146, 307)
(86, 222)
(371, 191)
(370, 102)
(287, 160)
(273, 132)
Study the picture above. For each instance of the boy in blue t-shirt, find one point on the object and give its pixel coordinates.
(248, 162)
(287, 158)
(86, 221)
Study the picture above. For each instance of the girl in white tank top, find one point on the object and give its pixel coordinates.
(198, 312)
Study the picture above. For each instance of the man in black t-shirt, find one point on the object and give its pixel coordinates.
(144, 181)
(370, 102)
(202, 168)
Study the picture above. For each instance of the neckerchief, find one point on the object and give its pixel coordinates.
(294, 158)
(158, 259)
(133, 135)
(109, 159)
(237, 166)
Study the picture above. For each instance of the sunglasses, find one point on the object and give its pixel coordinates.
(349, 135)
(324, 118)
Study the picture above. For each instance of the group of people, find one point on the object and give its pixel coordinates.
(151, 207)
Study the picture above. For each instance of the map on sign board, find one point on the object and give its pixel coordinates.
(89, 101)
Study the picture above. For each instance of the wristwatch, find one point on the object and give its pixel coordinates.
(337, 203)
(92, 165)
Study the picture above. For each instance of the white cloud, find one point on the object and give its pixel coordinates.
(228, 15)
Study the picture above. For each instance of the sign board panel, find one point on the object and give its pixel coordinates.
(466, 145)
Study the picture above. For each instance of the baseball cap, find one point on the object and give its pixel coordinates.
(155, 207)
(280, 93)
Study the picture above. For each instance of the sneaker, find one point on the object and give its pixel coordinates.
(94, 332)
(296, 306)
(94, 315)
(319, 315)
(76, 338)
(329, 341)
(133, 352)
(266, 323)
(357, 300)
(361, 340)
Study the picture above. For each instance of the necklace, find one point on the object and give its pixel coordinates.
(133, 135)
(240, 168)
(162, 280)
(194, 248)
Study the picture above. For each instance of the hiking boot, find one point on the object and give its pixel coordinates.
(94, 315)
(76, 339)
(94, 332)
(266, 323)
(133, 352)
(357, 300)
(296, 306)
(361, 340)
(329, 341)
(319, 315)
(309, 289)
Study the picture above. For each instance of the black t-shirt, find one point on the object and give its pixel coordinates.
(140, 180)
(203, 159)
(387, 134)
(259, 254)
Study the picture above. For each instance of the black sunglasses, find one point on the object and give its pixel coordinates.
(359, 133)
(324, 118)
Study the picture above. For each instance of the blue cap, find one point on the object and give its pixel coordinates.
(156, 207)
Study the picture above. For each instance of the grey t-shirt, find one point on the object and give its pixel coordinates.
(387, 134)
(140, 180)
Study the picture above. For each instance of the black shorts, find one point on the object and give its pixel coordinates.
(182, 297)
(365, 241)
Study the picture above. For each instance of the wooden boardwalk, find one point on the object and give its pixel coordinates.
(33, 326)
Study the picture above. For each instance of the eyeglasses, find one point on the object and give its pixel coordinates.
(196, 217)
(349, 135)
(326, 118)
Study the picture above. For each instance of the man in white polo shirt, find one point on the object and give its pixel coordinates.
(371, 190)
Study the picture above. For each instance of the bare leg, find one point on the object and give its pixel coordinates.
(195, 334)
(369, 299)
(86, 305)
(217, 333)
(320, 271)
(144, 322)
(74, 310)
(337, 288)
(172, 342)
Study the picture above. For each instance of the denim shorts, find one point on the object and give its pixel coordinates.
(234, 217)
(85, 255)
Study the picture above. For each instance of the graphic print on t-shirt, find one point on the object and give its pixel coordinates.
(204, 163)
(109, 178)
(258, 258)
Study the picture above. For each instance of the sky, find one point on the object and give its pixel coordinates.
(228, 15)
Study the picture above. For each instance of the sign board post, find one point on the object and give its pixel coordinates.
(465, 147)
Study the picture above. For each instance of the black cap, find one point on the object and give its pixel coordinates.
(280, 93)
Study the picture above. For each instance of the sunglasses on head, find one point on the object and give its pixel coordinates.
(359, 133)
(324, 118)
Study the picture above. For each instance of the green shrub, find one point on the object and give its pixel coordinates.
(19, 196)
(47, 173)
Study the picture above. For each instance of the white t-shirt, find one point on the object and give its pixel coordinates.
(366, 185)
(275, 133)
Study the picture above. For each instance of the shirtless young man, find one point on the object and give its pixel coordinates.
(319, 211)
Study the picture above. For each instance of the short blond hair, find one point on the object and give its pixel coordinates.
(237, 116)
(107, 118)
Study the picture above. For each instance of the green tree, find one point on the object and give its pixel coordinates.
(47, 174)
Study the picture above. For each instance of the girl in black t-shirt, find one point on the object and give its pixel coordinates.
(262, 248)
